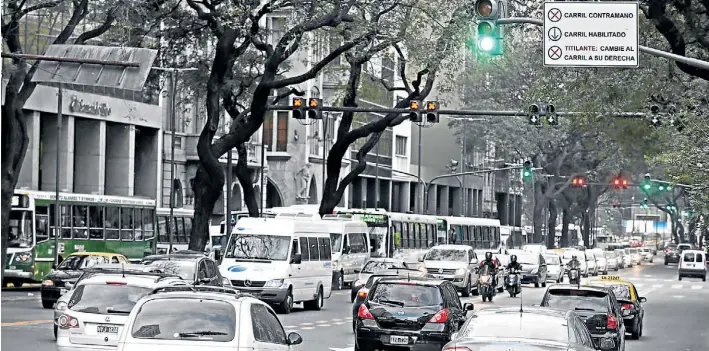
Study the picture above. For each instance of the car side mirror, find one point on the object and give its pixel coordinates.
(357, 270)
(468, 306)
(218, 255)
(474, 261)
(297, 259)
(642, 299)
(294, 339)
(346, 250)
(54, 266)
(420, 259)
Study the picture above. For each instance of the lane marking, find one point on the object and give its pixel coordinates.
(696, 287)
(306, 323)
(678, 296)
(324, 325)
(669, 280)
(290, 326)
(652, 280)
(338, 323)
(336, 319)
(33, 322)
(677, 286)
(319, 322)
(307, 328)
(657, 286)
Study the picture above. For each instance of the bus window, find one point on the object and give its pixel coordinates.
(304, 249)
(188, 228)
(148, 223)
(96, 222)
(127, 224)
(112, 220)
(79, 221)
(66, 222)
(325, 253)
(314, 250)
(42, 223)
(163, 230)
(138, 224)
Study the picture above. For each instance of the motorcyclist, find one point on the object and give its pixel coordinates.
(574, 263)
(514, 265)
(492, 264)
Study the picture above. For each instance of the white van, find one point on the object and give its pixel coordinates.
(693, 263)
(280, 261)
(350, 249)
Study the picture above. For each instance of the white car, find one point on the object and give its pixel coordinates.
(647, 254)
(636, 256)
(601, 262)
(612, 260)
(456, 263)
(98, 309)
(555, 268)
(204, 319)
(590, 262)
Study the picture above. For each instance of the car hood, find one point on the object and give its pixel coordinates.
(63, 275)
(445, 264)
(255, 271)
(506, 344)
(526, 267)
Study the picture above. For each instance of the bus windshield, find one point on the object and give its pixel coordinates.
(20, 235)
(336, 242)
(217, 240)
(258, 247)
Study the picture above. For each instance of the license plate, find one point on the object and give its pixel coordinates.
(399, 340)
(105, 329)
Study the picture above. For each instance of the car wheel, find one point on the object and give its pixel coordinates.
(666, 263)
(340, 282)
(536, 284)
(467, 288)
(704, 278)
(641, 328)
(680, 277)
(55, 332)
(286, 306)
(317, 304)
(47, 304)
(636, 332)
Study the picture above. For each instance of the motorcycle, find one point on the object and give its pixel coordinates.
(574, 276)
(512, 284)
(485, 284)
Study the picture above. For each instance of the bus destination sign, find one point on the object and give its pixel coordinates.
(373, 220)
(20, 201)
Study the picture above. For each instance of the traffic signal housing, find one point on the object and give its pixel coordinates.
(298, 105)
(432, 112)
(534, 114)
(616, 204)
(490, 34)
(415, 111)
(655, 120)
(646, 185)
(644, 204)
(619, 183)
(578, 182)
(314, 111)
(527, 171)
(552, 117)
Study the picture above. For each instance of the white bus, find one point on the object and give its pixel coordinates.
(281, 262)
(480, 233)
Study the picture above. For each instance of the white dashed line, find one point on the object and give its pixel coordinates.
(290, 326)
(323, 325)
(669, 280)
(320, 322)
(677, 286)
(696, 287)
(639, 285)
(657, 286)
(678, 296)
(336, 319)
(338, 323)
(306, 323)
(307, 328)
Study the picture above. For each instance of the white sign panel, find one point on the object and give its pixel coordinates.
(591, 34)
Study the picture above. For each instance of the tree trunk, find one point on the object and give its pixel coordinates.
(14, 147)
(537, 216)
(565, 221)
(586, 228)
(245, 177)
(207, 192)
(551, 225)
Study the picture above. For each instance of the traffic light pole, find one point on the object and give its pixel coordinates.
(648, 50)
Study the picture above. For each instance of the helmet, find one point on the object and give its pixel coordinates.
(488, 256)
(573, 257)
(513, 258)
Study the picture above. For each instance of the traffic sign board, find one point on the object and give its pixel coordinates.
(591, 34)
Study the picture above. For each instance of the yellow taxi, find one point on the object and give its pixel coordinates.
(629, 301)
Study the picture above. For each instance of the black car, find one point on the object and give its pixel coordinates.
(194, 267)
(671, 254)
(372, 266)
(597, 306)
(543, 329)
(412, 313)
(385, 274)
(631, 308)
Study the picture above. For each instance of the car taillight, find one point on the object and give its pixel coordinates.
(362, 293)
(456, 348)
(364, 313)
(68, 322)
(440, 317)
(612, 322)
(628, 306)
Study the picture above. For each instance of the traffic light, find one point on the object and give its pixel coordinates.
(490, 34)
(314, 111)
(687, 213)
(643, 204)
(578, 182)
(616, 204)
(432, 112)
(619, 183)
(552, 118)
(415, 111)
(671, 207)
(533, 115)
(527, 171)
(298, 108)
(655, 111)
(646, 184)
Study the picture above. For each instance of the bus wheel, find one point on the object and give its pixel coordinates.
(340, 281)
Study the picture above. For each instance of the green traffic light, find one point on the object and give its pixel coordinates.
(661, 187)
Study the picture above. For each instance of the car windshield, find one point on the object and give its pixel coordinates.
(552, 259)
(610, 254)
(376, 266)
(505, 325)
(74, 263)
(108, 298)
(622, 292)
(632, 251)
(406, 295)
(183, 269)
(20, 235)
(336, 242)
(577, 299)
(528, 259)
(446, 255)
(373, 279)
(164, 319)
(259, 247)
(217, 240)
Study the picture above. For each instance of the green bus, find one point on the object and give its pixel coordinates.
(89, 223)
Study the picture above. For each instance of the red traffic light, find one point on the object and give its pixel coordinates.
(624, 183)
(578, 182)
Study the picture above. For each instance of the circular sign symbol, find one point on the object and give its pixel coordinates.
(554, 15)
(554, 33)
(554, 52)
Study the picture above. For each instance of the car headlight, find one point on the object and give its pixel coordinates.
(460, 271)
(47, 283)
(61, 306)
(23, 256)
(275, 283)
(335, 263)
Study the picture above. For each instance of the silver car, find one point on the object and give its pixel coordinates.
(612, 260)
(455, 263)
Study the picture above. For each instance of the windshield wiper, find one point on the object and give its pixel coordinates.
(392, 303)
(196, 334)
(114, 310)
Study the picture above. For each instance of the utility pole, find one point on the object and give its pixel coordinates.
(376, 178)
(421, 191)
(75, 57)
(463, 166)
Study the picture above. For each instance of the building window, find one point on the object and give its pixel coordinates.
(282, 131)
(268, 131)
(401, 145)
(278, 29)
